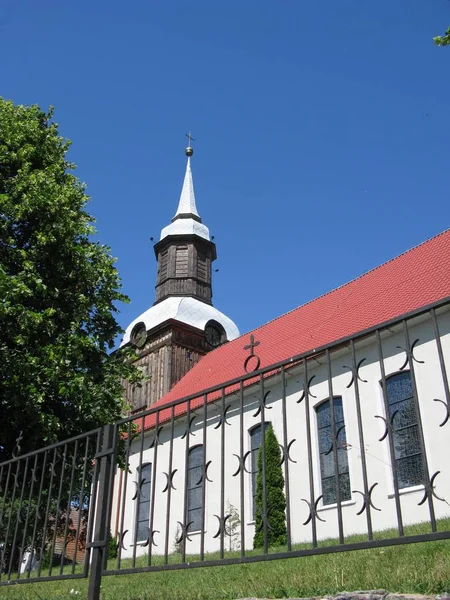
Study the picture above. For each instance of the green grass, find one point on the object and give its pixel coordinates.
(422, 568)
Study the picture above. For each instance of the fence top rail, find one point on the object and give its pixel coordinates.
(288, 361)
(52, 446)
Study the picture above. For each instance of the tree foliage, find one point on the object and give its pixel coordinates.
(58, 292)
(276, 501)
(443, 40)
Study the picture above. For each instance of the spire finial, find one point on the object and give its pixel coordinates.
(189, 150)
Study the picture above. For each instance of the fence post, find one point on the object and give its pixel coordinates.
(98, 544)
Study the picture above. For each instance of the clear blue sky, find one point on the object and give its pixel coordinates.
(321, 131)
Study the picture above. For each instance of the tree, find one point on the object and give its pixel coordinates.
(276, 501)
(58, 293)
(443, 40)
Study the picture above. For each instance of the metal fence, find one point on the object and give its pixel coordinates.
(188, 484)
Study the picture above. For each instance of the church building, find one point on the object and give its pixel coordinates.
(354, 385)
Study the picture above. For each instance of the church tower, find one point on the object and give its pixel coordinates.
(182, 324)
(185, 251)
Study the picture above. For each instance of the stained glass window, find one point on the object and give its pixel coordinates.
(327, 455)
(195, 481)
(144, 481)
(405, 430)
(255, 443)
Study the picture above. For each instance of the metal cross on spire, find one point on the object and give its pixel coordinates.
(189, 137)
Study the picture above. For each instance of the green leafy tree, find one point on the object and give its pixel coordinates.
(59, 291)
(276, 501)
(443, 40)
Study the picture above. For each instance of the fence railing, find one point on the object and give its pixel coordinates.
(337, 449)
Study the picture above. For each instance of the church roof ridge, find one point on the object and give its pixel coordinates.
(385, 292)
(344, 285)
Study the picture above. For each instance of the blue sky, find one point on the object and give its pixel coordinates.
(321, 131)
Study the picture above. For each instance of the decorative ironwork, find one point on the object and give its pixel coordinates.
(241, 465)
(313, 510)
(51, 467)
(285, 451)
(264, 518)
(139, 485)
(334, 443)
(121, 544)
(156, 440)
(367, 499)
(355, 373)
(17, 448)
(34, 478)
(204, 475)
(389, 424)
(429, 490)
(222, 525)
(184, 532)
(447, 411)
(188, 429)
(223, 416)
(169, 483)
(262, 404)
(410, 354)
(133, 436)
(251, 346)
(307, 390)
(151, 537)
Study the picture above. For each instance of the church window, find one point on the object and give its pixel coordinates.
(195, 488)
(144, 480)
(255, 443)
(181, 261)
(327, 454)
(405, 430)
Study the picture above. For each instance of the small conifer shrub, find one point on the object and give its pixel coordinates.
(276, 501)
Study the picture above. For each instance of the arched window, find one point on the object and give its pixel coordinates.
(144, 482)
(326, 452)
(195, 488)
(255, 443)
(405, 430)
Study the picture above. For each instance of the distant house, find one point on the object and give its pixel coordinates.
(73, 545)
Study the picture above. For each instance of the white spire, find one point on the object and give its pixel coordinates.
(186, 221)
(187, 206)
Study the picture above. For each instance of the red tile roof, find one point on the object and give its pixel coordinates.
(408, 282)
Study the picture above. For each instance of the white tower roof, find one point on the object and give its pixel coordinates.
(187, 206)
(186, 220)
(186, 310)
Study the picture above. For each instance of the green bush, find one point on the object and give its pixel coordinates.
(276, 501)
(112, 547)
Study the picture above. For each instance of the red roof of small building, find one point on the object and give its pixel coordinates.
(406, 283)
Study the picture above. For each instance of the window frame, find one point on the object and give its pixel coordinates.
(253, 474)
(321, 477)
(394, 459)
(200, 486)
(139, 502)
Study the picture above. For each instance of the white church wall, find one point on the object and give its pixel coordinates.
(377, 455)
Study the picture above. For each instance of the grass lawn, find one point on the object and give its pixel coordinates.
(422, 568)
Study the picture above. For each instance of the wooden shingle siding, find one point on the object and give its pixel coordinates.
(181, 261)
